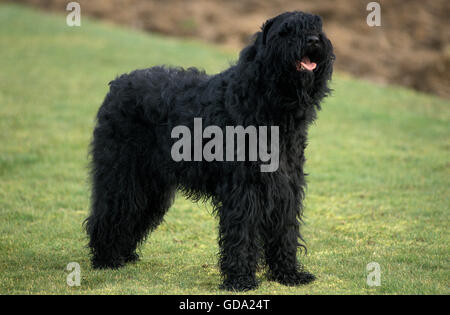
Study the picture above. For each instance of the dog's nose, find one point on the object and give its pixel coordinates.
(312, 40)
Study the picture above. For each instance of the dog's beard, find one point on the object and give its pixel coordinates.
(305, 80)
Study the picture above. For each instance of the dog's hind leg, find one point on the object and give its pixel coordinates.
(129, 198)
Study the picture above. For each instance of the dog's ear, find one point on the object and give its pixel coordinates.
(265, 29)
(248, 54)
(318, 21)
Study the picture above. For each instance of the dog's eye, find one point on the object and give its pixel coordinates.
(285, 30)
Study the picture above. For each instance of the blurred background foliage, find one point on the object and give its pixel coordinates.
(410, 48)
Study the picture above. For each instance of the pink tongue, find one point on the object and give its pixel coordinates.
(307, 64)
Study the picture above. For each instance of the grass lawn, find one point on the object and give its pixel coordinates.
(378, 161)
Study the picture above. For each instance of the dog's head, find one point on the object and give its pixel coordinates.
(292, 48)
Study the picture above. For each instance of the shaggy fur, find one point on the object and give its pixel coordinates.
(135, 178)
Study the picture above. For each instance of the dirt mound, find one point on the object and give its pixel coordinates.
(411, 47)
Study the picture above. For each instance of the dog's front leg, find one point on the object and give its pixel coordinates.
(281, 252)
(238, 238)
(281, 234)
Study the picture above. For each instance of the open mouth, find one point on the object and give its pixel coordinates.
(310, 60)
(305, 64)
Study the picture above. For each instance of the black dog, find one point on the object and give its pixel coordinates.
(279, 80)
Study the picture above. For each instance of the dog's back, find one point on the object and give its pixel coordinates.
(153, 88)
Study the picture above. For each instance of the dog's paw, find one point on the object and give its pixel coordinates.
(107, 264)
(131, 258)
(241, 284)
(98, 263)
(293, 278)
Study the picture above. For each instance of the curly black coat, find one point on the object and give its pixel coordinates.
(135, 178)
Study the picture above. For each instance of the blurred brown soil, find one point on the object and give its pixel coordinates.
(410, 48)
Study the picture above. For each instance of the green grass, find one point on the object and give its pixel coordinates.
(378, 159)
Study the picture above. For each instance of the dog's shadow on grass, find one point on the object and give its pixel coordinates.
(155, 275)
